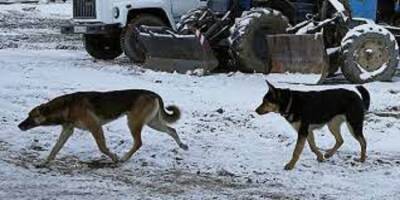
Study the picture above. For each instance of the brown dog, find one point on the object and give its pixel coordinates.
(91, 110)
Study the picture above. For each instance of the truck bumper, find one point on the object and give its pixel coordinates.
(97, 28)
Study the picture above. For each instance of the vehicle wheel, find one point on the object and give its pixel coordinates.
(199, 18)
(105, 47)
(248, 43)
(131, 47)
(287, 8)
(369, 53)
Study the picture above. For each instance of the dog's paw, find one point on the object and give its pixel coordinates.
(320, 158)
(123, 159)
(328, 155)
(184, 147)
(361, 160)
(43, 164)
(114, 158)
(289, 166)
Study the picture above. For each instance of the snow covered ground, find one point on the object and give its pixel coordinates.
(33, 26)
(233, 153)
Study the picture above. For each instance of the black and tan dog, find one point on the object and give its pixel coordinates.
(307, 111)
(91, 110)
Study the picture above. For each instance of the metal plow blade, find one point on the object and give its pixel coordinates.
(168, 51)
(299, 54)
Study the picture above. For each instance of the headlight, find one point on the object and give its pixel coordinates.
(115, 12)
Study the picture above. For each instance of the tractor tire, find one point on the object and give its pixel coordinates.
(131, 47)
(288, 8)
(369, 53)
(248, 38)
(104, 47)
(196, 19)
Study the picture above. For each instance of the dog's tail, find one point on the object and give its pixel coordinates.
(365, 96)
(167, 117)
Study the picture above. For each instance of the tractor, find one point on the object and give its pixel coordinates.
(257, 36)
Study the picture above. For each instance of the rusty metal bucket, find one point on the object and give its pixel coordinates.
(169, 51)
(298, 54)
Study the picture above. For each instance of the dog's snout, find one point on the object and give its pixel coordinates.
(25, 125)
(258, 111)
(22, 126)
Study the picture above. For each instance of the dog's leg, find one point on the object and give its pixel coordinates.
(144, 110)
(363, 144)
(334, 128)
(66, 133)
(98, 135)
(91, 123)
(356, 131)
(301, 140)
(159, 125)
(313, 146)
(136, 131)
(296, 126)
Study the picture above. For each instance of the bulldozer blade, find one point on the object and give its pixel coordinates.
(298, 54)
(171, 52)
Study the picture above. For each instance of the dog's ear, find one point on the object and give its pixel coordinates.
(269, 84)
(272, 89)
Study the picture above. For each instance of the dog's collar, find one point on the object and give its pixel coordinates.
(286, 113)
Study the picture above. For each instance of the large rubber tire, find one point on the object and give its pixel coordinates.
(131, 47)
(196, 19)
(369, 53)
(105, 47)
(248, 38)
(288, 8)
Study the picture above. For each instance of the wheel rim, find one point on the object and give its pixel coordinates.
(372, 55)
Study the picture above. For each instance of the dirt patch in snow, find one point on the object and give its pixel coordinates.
(24, 29)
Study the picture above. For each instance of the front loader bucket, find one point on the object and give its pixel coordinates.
(168, 51)
(298, 54)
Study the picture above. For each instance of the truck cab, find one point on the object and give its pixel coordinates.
(106, 25)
